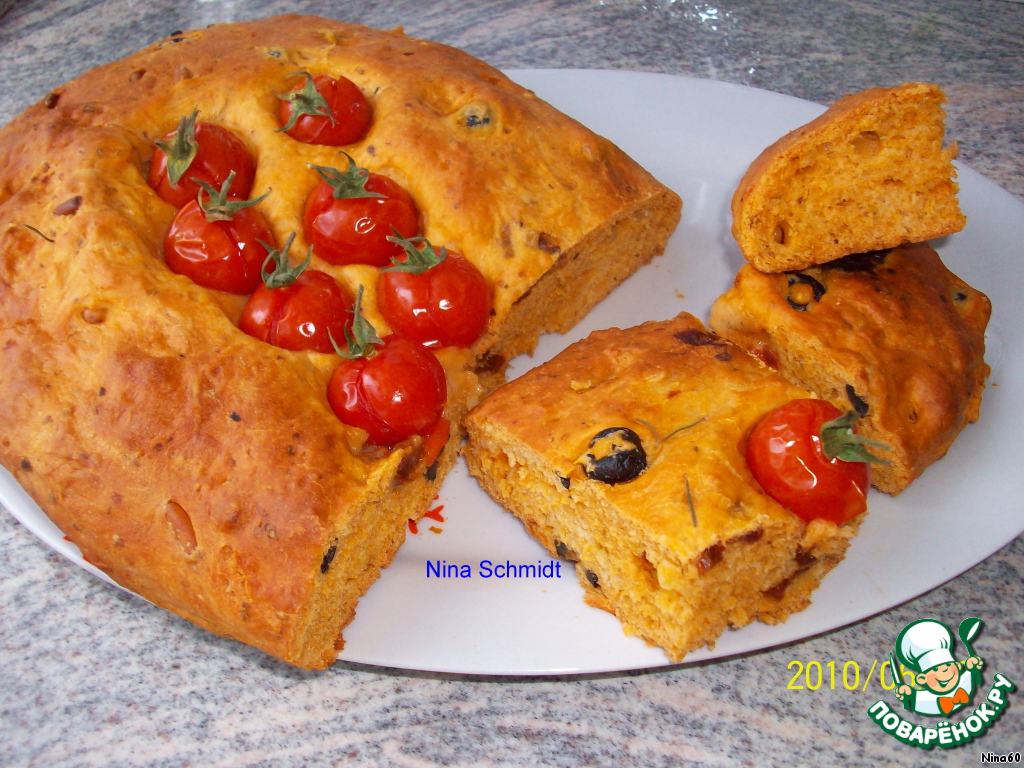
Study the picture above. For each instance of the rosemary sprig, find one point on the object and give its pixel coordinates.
(689, 501)
(33, 229)
(658, 439)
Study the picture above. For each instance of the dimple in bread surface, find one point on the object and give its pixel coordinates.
(894, 332)
(674, 575)
(870, 173)
(197, 466)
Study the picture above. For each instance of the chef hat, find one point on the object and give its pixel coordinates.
(925, 644)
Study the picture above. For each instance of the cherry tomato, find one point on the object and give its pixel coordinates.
(446, 305)
(219, 244)
(218, 152)
(305, 310)
(317, 100)
(786, 456)
(355, 230)
(398, 392)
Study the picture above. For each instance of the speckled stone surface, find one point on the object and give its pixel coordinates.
(91, 676)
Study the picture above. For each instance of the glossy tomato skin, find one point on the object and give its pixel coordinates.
(355, 230)
(398, 392)
(784, 454)
(446, 306)
(299, 316)
(351, 110)
(219, 152)
(224, 255)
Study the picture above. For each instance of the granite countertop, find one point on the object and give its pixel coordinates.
(90, 675)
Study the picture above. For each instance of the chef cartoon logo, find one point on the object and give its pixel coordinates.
(934, 683)
(944, 685)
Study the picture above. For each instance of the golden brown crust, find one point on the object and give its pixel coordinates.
(905, 333)
(870, 173)
(503, 192)
(197, 466)
(668, 374)
(675, 574)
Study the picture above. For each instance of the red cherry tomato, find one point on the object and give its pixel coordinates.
(225, 255)
(355, 230)
(785, 455)
(219, 152)
(300, 315)
(448, 305)
(347, 104)
(398, 392)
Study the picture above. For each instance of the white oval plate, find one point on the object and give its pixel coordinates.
(698, 137)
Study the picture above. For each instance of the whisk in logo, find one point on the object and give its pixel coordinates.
(933, 683)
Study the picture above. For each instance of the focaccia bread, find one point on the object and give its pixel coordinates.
(892, 334)
(204, 469)
(870, 173)
(691, 544)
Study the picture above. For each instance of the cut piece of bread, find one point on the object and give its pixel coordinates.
(691, 545)
(870, 173)
(196, 465)
(892, 334)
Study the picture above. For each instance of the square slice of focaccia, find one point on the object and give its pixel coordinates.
(675, 537)
(205, 469)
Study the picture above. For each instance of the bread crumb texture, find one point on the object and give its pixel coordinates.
(870, 173)
(692, 545)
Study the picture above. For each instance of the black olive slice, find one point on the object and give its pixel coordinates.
(858, 262)
(565, 552)
(800, 302)
(615, 455)
(325, 564)
(476, 115)
(859, 404)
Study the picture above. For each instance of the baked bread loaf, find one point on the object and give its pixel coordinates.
(204, 469)
(870, 173)
(669, 529)
(893, 334)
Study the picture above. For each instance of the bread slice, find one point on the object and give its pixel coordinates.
(196, 465)
(692, 544)
(870, 173)
(892, 334)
